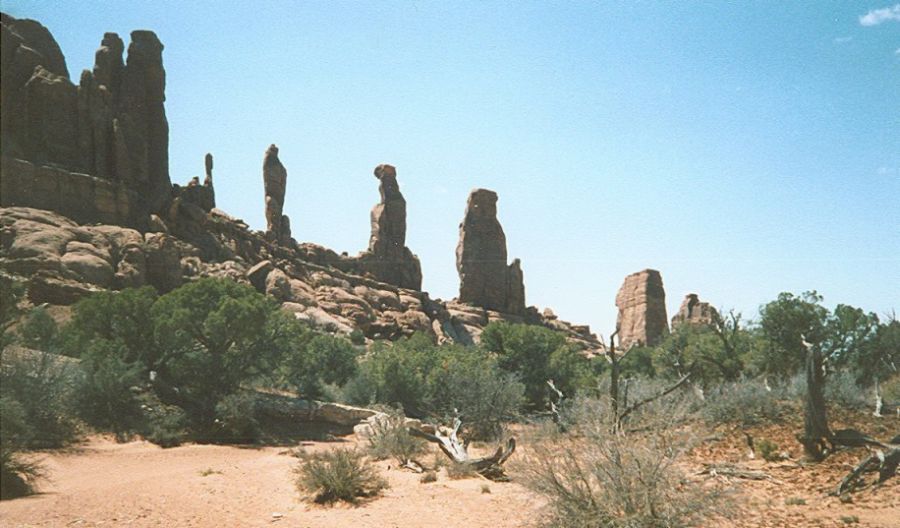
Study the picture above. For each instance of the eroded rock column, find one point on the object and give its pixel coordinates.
(389, 259)
(278, 226)
(694, 311)
(484, 277)
(642, 309)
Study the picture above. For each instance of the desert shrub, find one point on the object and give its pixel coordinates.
(890, 390)
(841, 389)
(165, 425)
(536, 354)
(471, 385)
(428, 477)
(43, 385)
(429, 380)
(338, 475)
(745, 402)
(768, 450)
(107, 394)
(236, 419)
(457, 471)
(594, 478)
(316, 361)
(11, 292)
(17, 475)
(389, 439)
(39, 330)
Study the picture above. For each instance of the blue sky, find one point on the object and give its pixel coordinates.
(742, 149)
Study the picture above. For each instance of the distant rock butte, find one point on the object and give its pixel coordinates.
(642, 309)
(693, 311)
(88, 205)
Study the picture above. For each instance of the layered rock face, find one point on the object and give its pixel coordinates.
(112, 126)
(484, 278)
(278, 225)
(388, 259)
(642, 309)
(693, 311)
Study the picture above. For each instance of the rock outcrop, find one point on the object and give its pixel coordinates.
(112, 126)
(278, 226)
(388, 259)
(642, 309)
(694, 312)
(485, 279)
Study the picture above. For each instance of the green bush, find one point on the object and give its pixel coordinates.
(39, 331)
(338, 475)
(17, 475)
(107, 395)
(432, 381)
(165, 425)
(315, 361)
(536, 354)
(236, 419)
(43, 385)
(768, 450)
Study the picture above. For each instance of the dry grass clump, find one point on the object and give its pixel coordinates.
(338, 475)
(594, 478)
(389, 439)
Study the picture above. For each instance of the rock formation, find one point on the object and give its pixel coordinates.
(111, 127)
(88, 205)
(388, 259)
(484, 278)
(693, 311)
(278, 227)
(642, 309)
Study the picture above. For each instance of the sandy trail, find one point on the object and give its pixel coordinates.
(138, 484)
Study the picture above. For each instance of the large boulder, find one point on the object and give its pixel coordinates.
(642, 309)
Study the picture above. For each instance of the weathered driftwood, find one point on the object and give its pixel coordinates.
(489, 467)
(730, 470)
(885, 462)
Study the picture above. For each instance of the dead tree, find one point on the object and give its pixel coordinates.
(815, 419)
(885, 462)
(490, 467)
(615, 361)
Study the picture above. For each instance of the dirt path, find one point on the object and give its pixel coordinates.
(138, 484)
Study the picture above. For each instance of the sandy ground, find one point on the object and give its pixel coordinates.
(138, 484)
(102, 483)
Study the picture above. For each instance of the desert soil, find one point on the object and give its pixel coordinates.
(102, 483)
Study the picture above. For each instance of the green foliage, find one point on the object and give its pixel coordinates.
(431, 380)
(536, 354)
(316, 360)
(39, 331)
(784, 323)
(338, 475)
(11, 292)
(121, 319)
(236, 419)
(43, 387)
(17, 475)
(166, 425)
(107, 398)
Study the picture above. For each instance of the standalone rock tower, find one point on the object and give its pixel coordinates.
(694, 311)
(485, 279)
(642, 309)
(278, 225)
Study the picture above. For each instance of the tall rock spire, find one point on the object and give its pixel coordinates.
(485, 279)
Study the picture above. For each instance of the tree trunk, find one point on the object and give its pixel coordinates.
(816, 431)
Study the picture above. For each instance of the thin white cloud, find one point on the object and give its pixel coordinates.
(877, 16)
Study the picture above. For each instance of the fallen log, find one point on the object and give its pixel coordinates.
(490, 467)
(730, 470)
(885, 462)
